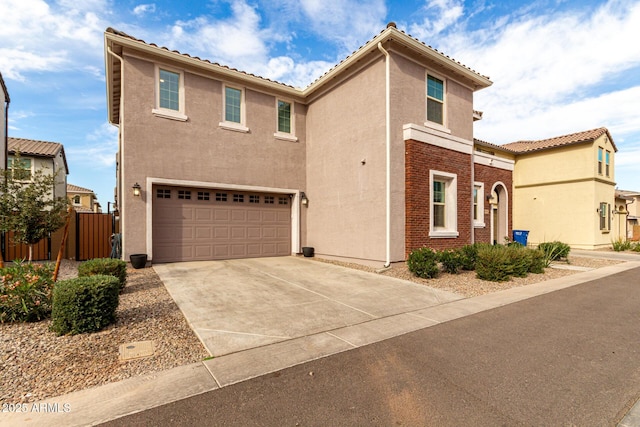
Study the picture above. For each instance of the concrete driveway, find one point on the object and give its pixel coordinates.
(238, 305)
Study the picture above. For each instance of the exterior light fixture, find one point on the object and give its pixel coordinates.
(303, 199)
(136, 189)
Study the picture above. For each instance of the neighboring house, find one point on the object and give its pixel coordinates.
(4, 123)
(564, 189)
(632, 201)
(370, 161)
(40, 155)
(82, 199)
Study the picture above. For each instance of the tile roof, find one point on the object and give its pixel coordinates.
(558, 141)
(77, 189)
(391, 26)
(33, 147)
(482, 143)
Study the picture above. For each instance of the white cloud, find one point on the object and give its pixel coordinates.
(144, 9)
(439, 16)
(100, 149)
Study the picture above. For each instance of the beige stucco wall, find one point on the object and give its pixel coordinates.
(557, 192)
(198, 149)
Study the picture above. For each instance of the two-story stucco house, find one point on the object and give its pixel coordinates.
(563, 189)
(40, 155)
(370, 161)
(4, 122)
(83, 199)
(629, 201)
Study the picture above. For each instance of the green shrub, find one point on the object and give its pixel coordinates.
(423, 263)
(469, 255)
(494, 263)
(518, 259)
(25, 292)
(84, 304)
(621, 245)
(636, 247)
(451, 260)
(537, 261)
(105, 266)
(554, 251)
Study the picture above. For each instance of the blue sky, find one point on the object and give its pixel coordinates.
(558, 66)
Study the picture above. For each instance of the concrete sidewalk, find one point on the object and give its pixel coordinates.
(112, 401)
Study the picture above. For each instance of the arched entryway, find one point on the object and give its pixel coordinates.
(499, 205)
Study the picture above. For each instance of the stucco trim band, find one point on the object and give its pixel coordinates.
(436, 137)
(295, 204)
(493, 161)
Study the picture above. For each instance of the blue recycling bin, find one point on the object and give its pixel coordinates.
(521, 236)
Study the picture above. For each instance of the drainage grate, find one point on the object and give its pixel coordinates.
(136, 350)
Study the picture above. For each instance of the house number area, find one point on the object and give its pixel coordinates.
(36, 407)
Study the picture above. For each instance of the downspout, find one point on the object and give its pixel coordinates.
(120, 165)
(6, 132)
(388, 147)
(473, 188)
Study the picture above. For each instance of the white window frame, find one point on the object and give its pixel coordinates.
(479, 205)
(238, 127)
(79, 202)
(168, 113)
(291, 136)
(435, 125)
(10, 161)
(451, 205)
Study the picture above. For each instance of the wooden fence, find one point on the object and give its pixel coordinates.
(89, 237)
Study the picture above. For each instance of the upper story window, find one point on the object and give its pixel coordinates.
(600, 153)
(607, 161)
(76, 200)
(285, 124)
(20, 168)
(435, 100)
(233, 109)
(169, 94)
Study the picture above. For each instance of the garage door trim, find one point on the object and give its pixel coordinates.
(295, 204)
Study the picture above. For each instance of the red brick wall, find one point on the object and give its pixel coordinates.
(420, 158)
(489, 176)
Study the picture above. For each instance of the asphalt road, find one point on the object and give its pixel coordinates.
(571, 357)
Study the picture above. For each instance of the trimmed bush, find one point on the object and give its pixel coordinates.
(105, 266)
(636, 247)
(469, 255)
(494, 263)
(621, 245)
(554, 251)
(423, 263)
(25, 292)
(451, 260)
(536, 261)
(519, 259)
(84, 304)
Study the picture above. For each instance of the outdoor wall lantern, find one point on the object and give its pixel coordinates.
(136, 189)
(303, 199)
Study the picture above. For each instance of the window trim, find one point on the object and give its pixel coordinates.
(607, 163)
(600, 159)
(479, 205)
(604, 217)
(167, 113)
(234, 126)
(76, 197)
(451, 204)
(290, 136)
(10, 161)
(435, 125)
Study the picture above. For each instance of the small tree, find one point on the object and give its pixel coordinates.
(27, 205)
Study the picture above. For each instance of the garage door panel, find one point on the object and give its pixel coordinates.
(242, 225)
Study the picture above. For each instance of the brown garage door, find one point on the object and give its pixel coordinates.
(192, 224)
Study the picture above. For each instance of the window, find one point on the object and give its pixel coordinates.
(268, 200)
(238, 198)
(605, 216)
(435, 100)
(20, 168)
(184, 194)
(607, 159)
(169, 95)
(600, 150)
(443, 204)
(284, 116)
(221, 197)
(76, 200)
(233, 109)
(163, 194)
(169, 90)
(203, 195)
(478, 204)
(254, 199)
(283, 201)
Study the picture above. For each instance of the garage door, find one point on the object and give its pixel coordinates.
(193, 224)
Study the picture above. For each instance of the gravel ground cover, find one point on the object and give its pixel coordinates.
(37, 364)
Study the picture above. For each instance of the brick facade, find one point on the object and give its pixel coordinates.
(489, 176)
(420, 159)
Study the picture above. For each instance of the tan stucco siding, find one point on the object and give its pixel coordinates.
(346, 126)
(198, 149)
